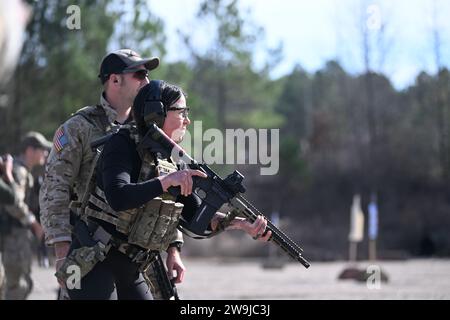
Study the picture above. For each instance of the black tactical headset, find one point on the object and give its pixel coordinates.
(148, 107)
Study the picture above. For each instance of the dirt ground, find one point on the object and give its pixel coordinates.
(216, 279)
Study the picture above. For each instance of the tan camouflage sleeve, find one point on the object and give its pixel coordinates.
(21, 187)
(62, 168)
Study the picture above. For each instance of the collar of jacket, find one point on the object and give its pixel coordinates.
(109, 110)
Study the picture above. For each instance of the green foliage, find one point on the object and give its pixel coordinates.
(138, 28)
(258, 119)
(58, 69)
(293, 163)
(293, 102)
(225, 78)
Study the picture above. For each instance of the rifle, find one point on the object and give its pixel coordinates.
(167, 286)
(214, 192)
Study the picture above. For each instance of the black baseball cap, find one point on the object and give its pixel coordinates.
(124, 60)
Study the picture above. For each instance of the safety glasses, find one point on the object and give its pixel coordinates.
(184, 112)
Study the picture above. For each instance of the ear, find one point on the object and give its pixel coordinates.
(115, 79)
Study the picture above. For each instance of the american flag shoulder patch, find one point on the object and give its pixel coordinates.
(60, 139)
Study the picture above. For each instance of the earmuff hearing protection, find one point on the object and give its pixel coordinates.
(154, 111)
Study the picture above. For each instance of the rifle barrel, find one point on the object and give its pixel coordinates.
(278, 236)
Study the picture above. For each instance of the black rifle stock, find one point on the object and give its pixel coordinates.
(167, 286)
(215, 192)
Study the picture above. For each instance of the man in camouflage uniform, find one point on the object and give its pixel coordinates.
(7, 183)
(69, 166)
(18, 221)
(7, 197)
(13, 19)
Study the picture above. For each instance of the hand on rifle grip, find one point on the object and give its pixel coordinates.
(181, 179)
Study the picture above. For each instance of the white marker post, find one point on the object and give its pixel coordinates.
(356, 227)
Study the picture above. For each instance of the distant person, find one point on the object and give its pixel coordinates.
(14, 15)
(18, 222)
(40, 248)
(13, 18)
(6, 182)
(7, 197)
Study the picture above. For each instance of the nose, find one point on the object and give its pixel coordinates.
(187, 121)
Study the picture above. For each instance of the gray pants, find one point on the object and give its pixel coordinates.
(17, 257)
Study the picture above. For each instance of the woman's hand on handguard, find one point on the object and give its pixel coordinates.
(182, 179)
(257, 229)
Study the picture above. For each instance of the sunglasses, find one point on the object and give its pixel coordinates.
(184, 111)
(139, 74)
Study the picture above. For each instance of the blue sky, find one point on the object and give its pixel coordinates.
(313, 32)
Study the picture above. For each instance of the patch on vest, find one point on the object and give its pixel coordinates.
(60, 139)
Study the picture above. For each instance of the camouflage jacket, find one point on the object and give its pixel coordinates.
(69, 166)
(19, 210)
(6, 193)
